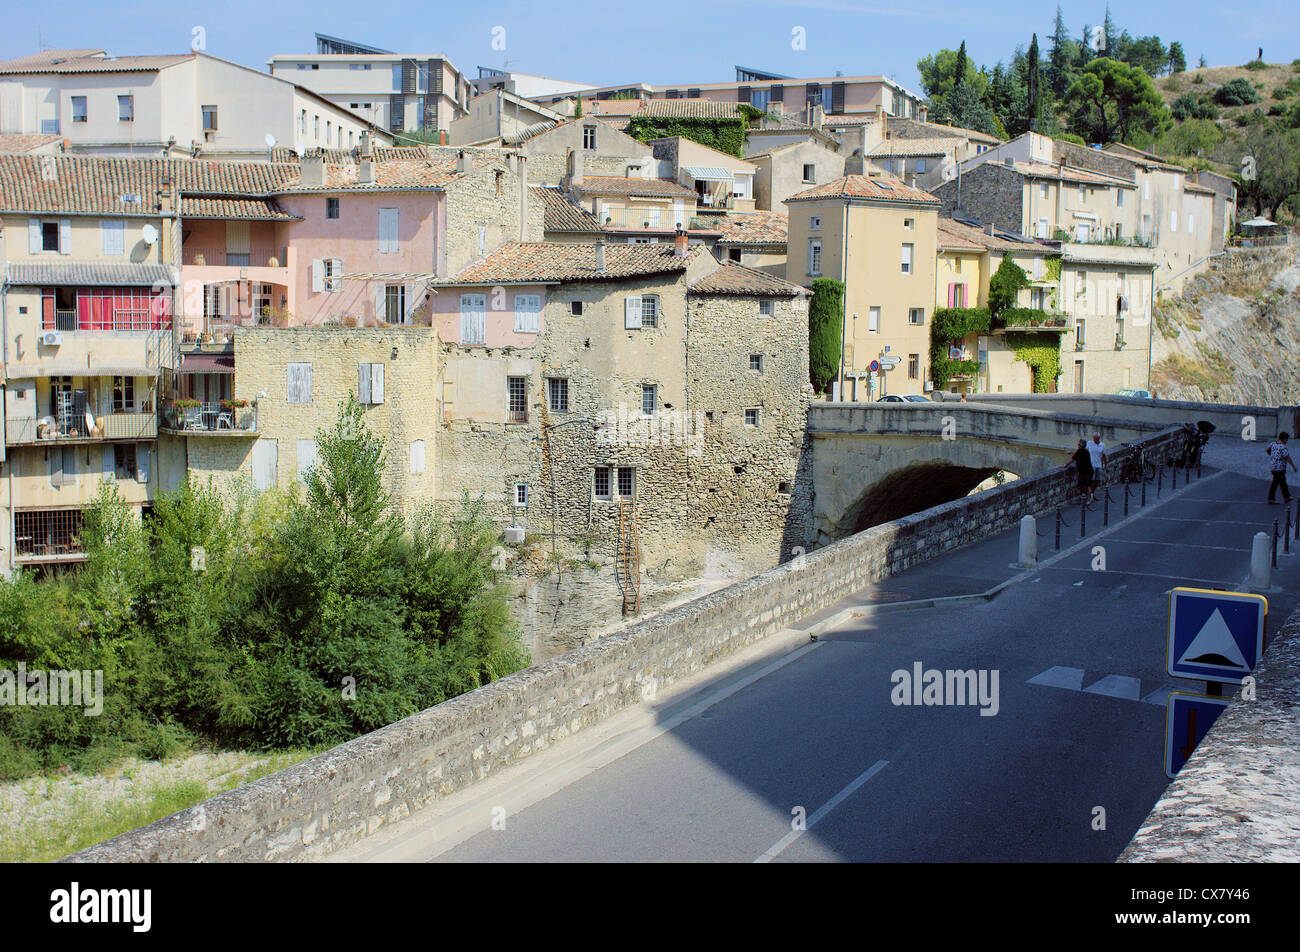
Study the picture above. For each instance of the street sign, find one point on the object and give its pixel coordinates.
(889, 363)
(1188, 718)
(1214, 636)
(874, 366)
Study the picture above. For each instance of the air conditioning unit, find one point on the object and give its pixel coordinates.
(52, 338)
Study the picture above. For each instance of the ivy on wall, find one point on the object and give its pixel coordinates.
(725, 135)
(1042, 352)
(1030, 317)
(950, 324)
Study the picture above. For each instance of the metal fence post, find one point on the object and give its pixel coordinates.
(1286, 536)
(1143, 500)
(1105, 508)
(1126, 500)
(1083, 518)
(1058, 528)
(1274, 543)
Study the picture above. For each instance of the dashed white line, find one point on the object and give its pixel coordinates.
(826, 808)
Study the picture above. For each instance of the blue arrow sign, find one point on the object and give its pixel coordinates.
(1188, 718)
(1214, 636)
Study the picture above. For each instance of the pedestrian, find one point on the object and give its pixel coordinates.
(1097, 451)
(963, 396)
(1279, 458)
(1082, 460)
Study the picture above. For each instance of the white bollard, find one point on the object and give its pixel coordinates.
(1028, 543)
(1261, 567)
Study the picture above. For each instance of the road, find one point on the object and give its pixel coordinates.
(1066, 769)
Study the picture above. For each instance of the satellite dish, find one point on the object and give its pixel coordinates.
(270, 141)
(149, 233)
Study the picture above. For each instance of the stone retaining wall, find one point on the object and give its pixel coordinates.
(338, 797)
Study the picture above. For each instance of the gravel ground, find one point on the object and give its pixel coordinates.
(1226, 452)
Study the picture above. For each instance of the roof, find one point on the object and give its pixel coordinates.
(935, 130)
(906, 147)
(1067, 173)
(85, 61)
(560, 214)
(736, 279)
(551, 262)
(878, 187)
(90, 273)
(240, 209)
(956, 234)
(753, 228)
(621, 185)
(79, 185)
(26, 143)
(709, 173)
(689, 109)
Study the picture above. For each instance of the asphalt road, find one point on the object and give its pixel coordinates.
(1066, 769)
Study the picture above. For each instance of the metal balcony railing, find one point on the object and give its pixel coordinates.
(106, 426)
(65, 320)
(210, 418)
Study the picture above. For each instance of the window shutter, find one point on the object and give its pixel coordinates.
(109, 461)
(381, 303)
(56, 466)
(388, 230)
(33, 236)
(417, 457)
(742, 94)
(837, 98)
(317, 276)
(306, 458)
(65, 236)
(778, 93)
(376, 383)
(632, 312)
(952, 295)
(363, 383)
(142, 464)
(335, 280)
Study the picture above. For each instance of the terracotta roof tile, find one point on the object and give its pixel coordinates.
(241, 209)
(907, 147)
(880, 187)
(736, 279)
(689, 109)
(19, 144)
(560, 214)
(617, 185)
(956, 234)
(549, 262)
(754, 228)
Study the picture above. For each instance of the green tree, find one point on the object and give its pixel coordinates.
(965, 108)
(577, 109)
(1195, 137)
(1031, 117)
(1061, 58)
(825, 327)
(1236, 92)
(939, 73)
(1005, 285)
(1275, 150)
(1177, 59)
(1112, 100)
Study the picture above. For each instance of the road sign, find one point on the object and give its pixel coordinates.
(1214, 636)
(874, 366)
(1188, 718)
(889, 363)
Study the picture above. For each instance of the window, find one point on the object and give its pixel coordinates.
(1119, 331)
(649, 398)
(114, 237)
(626, 482)
(209, 118)
(302, 123)
(1191, 224)
(815, 256)
(756, 362)
(516, 399)
(331, 208)
(1042, 190)
(78, 108)
(956, 265)
(575, 308)
(1038, 298)
(557, 392)
(328, 126)
(332, 275)
(473, 319)
(482, 239)
(909, 224)
(395, 303)
(920, 166)
(123, 394)
(521, 495)
(589, 138)
(809, 172)
(125, 108)
(1083, 194)
(956, 295)
(733, 254)
(299, 383)
(370, 383)
(649, 311)
(417, 457)
(50, 236)
(751, 416)
(1079, 336)
(907, 258)
(315, 127)
(913, 366)
(528, 313)
(600, 482)
(124, 461)
(916, 315)
(1040, 230)
(1119, 198)
(815, 223)
(1081, 232)
(388, 240)
(1173, 221)
(873, 319)
(767, 307)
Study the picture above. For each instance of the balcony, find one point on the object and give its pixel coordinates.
(229, 418)
(27, 431)
(661, 219)
(1031, 319)
(216, 256)
(48, 535)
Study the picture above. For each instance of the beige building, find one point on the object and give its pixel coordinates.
(497, 116)
(721, 182)
(878, 235)
(754, 239)
(184, 104)
(788, 169)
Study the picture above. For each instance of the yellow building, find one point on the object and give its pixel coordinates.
(878, 235)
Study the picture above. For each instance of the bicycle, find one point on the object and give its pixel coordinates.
(1137, 468)
(1195, 437)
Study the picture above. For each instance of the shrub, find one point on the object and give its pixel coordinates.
(1281, 92)
(1255, 64)
(1198, 79)
(1236, 92)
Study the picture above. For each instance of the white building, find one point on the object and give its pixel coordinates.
(183, 104)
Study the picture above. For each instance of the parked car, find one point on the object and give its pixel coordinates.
(904, 398)
(1130, 392)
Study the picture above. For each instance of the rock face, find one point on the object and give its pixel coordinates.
(1232, 336)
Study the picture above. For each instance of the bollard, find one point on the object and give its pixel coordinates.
(1286, 536)
(1144, 493)
(1105, 508)
(1028, 543)
(1260, 574)
(1274, 543)
(1126, 500)
(1198, 469)
(1175, 478)
(1083, 518)
(1160, 480)
(1058, 528)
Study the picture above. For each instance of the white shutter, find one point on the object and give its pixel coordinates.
(528, 308)
(336, 271)
(381, 303)
(65, 236)
(388, 231)
(417, 457)
(306, 458)
(317, 276)
(33, 236)
(473, 319)
(265, 457)
(298, 377)
(56, 466)
(376, 383)
(142, 461)
(363, 383)
(632, 311)
(114, 235)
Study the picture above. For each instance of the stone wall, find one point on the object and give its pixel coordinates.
(989, 193)
(311, 809)
(495, 198)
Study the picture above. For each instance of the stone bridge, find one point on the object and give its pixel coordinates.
(876, 462)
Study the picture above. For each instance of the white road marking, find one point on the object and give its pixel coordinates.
(1161, 694)
(826, 808)
(1060, 677)
(1180, 579)
(1117, 685)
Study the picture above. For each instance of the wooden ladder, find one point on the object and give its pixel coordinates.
(629, 557)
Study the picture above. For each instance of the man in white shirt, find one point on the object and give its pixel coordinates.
(1097, 451)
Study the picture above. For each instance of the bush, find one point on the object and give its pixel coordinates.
(1188, 106)
(1236, 92)
(1281, 92)
(1198, 79)
(1256, 64)
(825, 326)
(1277, 109)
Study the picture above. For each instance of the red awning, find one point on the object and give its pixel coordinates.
(208, 364)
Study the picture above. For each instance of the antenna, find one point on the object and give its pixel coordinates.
(270, 141)
(149, 233)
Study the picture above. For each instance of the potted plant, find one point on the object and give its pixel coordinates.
(236, 404)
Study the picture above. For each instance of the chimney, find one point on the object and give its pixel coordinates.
(462, 162)
(442, 137)
(573, 175)
(855, 164)
(600, 256)
(313, 169)
(366, 174)
(521, 161)
(924, 112)
(680, 243)
(815, 117)
(367, 145)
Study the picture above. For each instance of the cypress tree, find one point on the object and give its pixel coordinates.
(1033, 84)
(825, 324)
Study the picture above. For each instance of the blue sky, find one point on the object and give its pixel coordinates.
(682, 41)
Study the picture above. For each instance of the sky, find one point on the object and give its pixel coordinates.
(672, 42)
